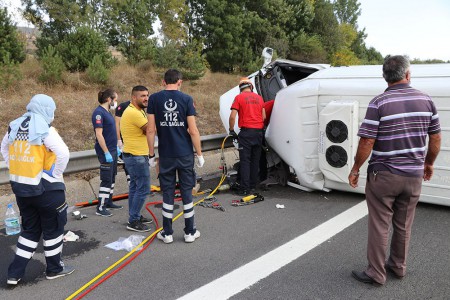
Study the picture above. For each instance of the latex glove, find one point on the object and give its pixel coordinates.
(200, 161)
(120, 144)
(233, 134)
(119, 151)
(108, 157)
(152, 161)
(50, 172)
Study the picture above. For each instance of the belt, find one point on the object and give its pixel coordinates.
(124, 154)
(251, 129)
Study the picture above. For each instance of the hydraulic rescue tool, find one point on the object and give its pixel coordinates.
(211, 202)
(247, 200)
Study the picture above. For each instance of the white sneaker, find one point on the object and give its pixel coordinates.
(190, 238)
(167, 239)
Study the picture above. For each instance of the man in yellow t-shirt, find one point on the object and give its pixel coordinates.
(133, 127)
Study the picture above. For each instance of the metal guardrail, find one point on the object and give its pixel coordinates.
(87, 160)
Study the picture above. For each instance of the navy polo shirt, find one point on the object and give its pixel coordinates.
(121, 108)
(171, 109)
(101, 118)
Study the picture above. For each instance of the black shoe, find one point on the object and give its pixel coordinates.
(362, 276)
(390, 270)
(113, 206)
(145, 220)
(103, 212)
(138, 226)
(66, 271)
(13, 281)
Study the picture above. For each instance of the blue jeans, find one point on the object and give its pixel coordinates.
(139, 171)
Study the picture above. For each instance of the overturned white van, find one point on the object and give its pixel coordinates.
(316, 115)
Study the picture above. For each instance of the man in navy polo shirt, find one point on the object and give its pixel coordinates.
(172, 114)
(107, 151)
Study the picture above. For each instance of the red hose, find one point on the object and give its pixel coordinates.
(129, 259)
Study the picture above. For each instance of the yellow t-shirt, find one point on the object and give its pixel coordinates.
(134, 139)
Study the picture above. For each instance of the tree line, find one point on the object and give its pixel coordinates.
(222, 35)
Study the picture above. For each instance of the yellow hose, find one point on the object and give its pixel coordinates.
(222, 179)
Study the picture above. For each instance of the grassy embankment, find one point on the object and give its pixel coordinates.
(76, 98)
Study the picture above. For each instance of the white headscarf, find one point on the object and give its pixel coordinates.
(41, 111)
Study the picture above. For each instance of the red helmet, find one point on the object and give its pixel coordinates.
(245, 83)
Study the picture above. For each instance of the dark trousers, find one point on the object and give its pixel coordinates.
(108, 172)
(168, 170)
(390, 199)
(45, 214)
(126, 171)
(250, 141)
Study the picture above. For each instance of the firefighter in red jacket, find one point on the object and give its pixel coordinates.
(250, 108)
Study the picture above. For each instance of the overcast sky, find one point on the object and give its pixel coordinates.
(418, 28)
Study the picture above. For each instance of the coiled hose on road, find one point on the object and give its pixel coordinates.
(121, 263)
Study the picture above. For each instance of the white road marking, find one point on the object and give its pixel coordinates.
(249, 274)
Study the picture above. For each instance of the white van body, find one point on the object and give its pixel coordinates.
(298, 131)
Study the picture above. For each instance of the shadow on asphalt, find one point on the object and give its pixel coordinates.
(35, 271)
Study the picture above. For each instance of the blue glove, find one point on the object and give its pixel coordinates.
(118, 151)
(50, 172)
(108, 157)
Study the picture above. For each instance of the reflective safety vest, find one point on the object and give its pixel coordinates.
(26, 165)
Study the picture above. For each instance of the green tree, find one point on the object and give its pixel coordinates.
(347, 11)
(302, 17)
(79, 47)
(192, 64)
(344, 57)
(9, 72)
(12, 45)
(97, 71)
(326, 25)
(52, 66)
(428, 61)
(307, 48)
(127, 24)
(373, 57)
(187, 58)
(173, 17)
(235, 32)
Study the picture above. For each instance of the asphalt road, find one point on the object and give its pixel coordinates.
(232, 239)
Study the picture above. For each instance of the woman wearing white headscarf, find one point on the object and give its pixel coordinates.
(36, 157)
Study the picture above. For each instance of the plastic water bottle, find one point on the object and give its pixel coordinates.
(224, 187)
(12, 224)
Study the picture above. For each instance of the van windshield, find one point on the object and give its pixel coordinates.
(278, 76)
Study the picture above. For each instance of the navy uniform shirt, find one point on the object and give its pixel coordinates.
(121, 108)
(171, 109)
(101, 118)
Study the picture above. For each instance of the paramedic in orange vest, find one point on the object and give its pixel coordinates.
(249, 106)
(37, 157)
